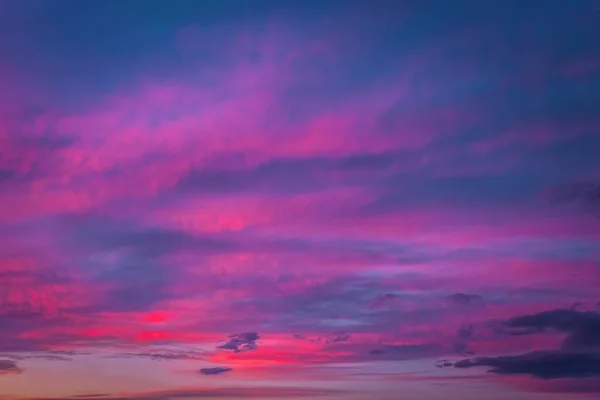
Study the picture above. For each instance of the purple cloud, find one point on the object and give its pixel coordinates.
(214, 371)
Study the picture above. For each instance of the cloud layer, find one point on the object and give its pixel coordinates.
(291, 190)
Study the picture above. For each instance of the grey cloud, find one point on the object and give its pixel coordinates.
(579, 356)
(241, 342)
(540, 364)
(333, 338)
(444, 364)
(582, 327)
(214, 371)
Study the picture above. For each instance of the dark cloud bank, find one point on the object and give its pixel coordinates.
(578, 356)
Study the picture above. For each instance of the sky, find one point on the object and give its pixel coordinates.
(329, 199)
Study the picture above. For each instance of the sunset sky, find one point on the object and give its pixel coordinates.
(274, 199)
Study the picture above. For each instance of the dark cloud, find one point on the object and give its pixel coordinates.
(9, 366)
(326, 339)
(334, 338)
(214, 371)
(579, 356)
(582, 327)
(540, 364)
(444, 364)
(241, 342)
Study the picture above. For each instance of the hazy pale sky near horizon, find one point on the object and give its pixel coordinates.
(343, 200)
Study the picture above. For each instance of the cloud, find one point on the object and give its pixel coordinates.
(214, 371)
(167, 355)
(444, 364)
(578, 358)
(294, 176)
(9, 367)
(540, 364)
(582, 327)
(237, 392)
(333, 338)
(241, 342)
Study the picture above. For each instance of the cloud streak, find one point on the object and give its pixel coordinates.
(543, 365)
(214, 371)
